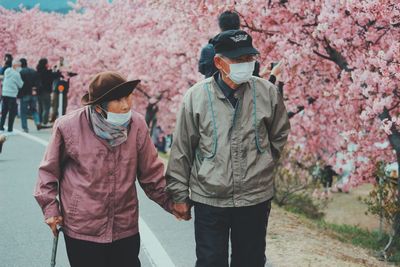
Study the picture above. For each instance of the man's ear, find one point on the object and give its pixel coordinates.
(218, 62)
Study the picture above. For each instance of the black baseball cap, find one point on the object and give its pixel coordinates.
(233, 44)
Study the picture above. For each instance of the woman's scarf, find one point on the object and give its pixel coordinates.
(113, 134)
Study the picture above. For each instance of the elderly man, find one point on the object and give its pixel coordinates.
(11, 85)
(231, 129)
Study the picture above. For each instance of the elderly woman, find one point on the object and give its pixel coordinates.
(94, 158)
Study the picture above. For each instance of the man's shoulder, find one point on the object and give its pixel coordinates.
(9, 71)
(208, 49)
(263, 84)
(198, 89)
(265, 89)
(28, 71)
(208, 46)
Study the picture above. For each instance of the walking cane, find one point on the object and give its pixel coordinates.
(54, 251)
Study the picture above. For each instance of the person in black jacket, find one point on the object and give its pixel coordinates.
(28, 95)
(8, 58)
(228, 20)
(46, 78)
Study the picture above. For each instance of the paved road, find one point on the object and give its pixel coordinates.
(26, 241)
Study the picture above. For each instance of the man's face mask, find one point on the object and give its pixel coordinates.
(241, 72)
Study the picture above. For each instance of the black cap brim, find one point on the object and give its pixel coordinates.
(240, 52)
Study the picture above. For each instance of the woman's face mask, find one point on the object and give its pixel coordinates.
(240, 72)
(117, 119)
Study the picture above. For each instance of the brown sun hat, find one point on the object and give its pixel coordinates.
(107, 86)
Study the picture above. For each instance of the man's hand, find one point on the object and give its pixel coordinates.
(182, 211)
(52, 222)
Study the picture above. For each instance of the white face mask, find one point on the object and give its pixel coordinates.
(118, 119)
(18, 69)
(241, 72)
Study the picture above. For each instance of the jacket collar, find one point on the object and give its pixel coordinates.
(218, 92)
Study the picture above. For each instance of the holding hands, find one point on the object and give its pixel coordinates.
(182, 211)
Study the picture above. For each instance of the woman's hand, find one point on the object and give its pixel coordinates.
(52, 222)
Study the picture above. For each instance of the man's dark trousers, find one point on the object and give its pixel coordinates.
(246, 226)
(9, 107)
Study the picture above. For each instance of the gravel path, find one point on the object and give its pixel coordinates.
(292, 242)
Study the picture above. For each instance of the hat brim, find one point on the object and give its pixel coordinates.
(240, 52)
(122, 90)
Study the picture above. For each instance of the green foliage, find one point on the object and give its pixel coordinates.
(291, 178)
(303, 204)
(363, 238)
(293, 181)
(382, 200)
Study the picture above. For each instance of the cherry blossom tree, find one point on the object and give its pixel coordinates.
(341, 63)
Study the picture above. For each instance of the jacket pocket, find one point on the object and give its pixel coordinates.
(87, 216)
(208, 142)
(211, 182)
(262, 142)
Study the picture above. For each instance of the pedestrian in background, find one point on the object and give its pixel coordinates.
(62, 81)
(28, 95)
(8, 58)
(7, 64)
(228, 20)
(46, 79)
(11, 85)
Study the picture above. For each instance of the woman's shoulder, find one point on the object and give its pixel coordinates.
(141, 129)
(72, 118)
(138, 119)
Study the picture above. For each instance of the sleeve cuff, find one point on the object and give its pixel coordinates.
(51, 212)
(182, 197)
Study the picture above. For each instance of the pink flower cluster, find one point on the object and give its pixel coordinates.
(343, 54)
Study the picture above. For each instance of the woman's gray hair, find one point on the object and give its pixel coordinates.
(16, 62)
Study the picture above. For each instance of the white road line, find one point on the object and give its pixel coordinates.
(152, 246)
(32, 137)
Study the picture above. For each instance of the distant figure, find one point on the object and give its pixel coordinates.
(61, 83)
(28, 95)
(11, 85)
(46, 78)
(228, 20)
(8, 58)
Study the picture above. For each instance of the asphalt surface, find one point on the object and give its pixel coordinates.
(26, 241)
